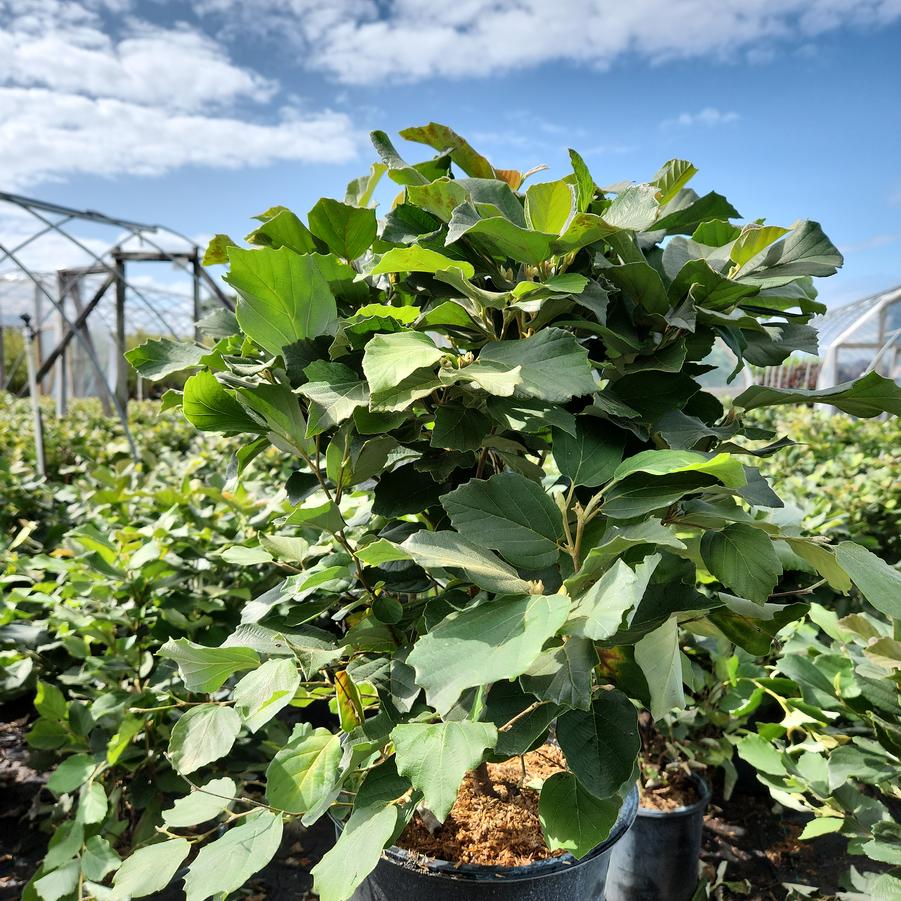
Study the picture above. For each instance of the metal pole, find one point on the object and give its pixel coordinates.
(121, 367)
(62, 388)
(195, 271)
(30, 334)
(2, 357)
(38, 319)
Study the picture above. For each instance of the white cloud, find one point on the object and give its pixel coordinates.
(80, 96)
(361, 41)
(708, 117)
(47, 134)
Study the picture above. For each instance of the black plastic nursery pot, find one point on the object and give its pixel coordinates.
(401, 876)
(658, 858)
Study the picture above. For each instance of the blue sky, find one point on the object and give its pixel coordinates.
(200, 115)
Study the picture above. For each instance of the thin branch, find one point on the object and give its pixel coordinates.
(522, 715)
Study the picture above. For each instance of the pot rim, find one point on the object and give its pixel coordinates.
(434, 867)
(686, 810)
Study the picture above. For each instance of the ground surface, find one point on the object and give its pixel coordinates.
(759, 846)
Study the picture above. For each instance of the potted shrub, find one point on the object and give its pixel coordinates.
(660, 855)
(508, 479)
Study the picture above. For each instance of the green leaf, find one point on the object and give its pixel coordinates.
(591, 456)
(246, 556)
(601, 744)
(390, 359)
(440, 197)
(494, 378)
(530, 415)
(878, 582)
(715, 233)
(549, 206)
(304, 772)
(159, 357)
(149, 869)
(217, 250)
(496, 640)
(871, 395)
(685, 220)
(261, 694)
(752, 240)
(824, 561)
(571, 818)
(774, 344)
(93, 804)
(635, 208)
(405, 490)
(583, 229)
(761, 755)
(507, 701)
(743, 559)
(58, 883)
(278, 408)
(335, 392)
(557, 285)
(448, 550)
(98, 859)
(805, 251)
(672, 177)
(641, 283)
(381, 551)
(398, 170)
(71, 773)
(419, 259)
(356, 852)
(615, 541)
(325, 516)
(442, 138)
(563, 675)
(554, 366)
(821, 826)
(65, 844)
(347, 230)
(282, 228)
(638, 495)
(202, 804)
(359, 191)
(211, 408)
(585, 186)
(706, 288)
(50, 702)
(283, 297)
(436, 757)
(660, 658)
(669, 462)
(226, 864)
(509, 514)
(502, 237)
(598, 614)
(459, 428)
(202, 735)
(206, 669)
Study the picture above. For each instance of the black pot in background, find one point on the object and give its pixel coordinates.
(658, 858)
(399, 878)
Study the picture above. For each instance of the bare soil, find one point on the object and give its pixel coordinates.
(21, 845)
(679, 790)
(503, 830)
